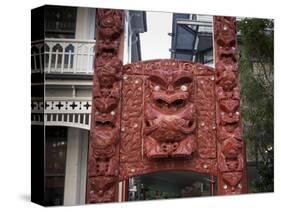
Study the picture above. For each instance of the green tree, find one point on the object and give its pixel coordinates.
(256, 75)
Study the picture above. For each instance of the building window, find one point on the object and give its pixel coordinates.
(208, 57)
(60, 22)
(55, 154)
(205, 57)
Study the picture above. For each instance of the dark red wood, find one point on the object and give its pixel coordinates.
(103, 162)
(230, 145)
(168, 118)
(126, 190)
(162, 115)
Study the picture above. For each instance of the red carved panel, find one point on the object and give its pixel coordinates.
(163, 102)
(103, 161)
(206, 132)
(132, 118)
(166, 114)
(230, 145)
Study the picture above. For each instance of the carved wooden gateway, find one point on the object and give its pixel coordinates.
(166, 114)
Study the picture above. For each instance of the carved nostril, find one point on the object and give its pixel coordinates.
(190, 123)
(161, 103)
(147, 123)
(178, 103)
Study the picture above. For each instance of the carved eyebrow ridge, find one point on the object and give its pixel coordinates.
(158, 77)
(182, 77)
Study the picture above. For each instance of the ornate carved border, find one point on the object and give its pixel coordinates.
(103, 161)
(230, 145)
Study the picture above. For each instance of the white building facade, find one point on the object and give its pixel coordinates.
(63, 59)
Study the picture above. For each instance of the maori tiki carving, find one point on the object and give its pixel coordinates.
(170, 115)
(168, 118)
(103, 158)
(231, 149)
(173, 112)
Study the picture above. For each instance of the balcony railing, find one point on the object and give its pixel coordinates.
(62, 56)
(69, 112)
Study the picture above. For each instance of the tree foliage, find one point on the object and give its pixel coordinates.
(256, 68)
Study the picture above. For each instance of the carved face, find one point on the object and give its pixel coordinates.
(226, 42)
(229, 106)
(229, 120)
(108, 71)
(231, 148)
(224, 133)
(106, 100)
(110, 22)
(227, 80)
(107, 50)
(104, 137)
(169, 114)
(171, 127)
(101, 167)
(170, 92)
(232, 182)
(227, 51)
(102, 189)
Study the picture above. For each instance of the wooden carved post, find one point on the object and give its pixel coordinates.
(103, 161)
(230, 146)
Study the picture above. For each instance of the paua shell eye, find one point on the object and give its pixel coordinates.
(156, 88)
(183, 88)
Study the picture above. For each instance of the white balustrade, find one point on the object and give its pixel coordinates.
(65, 56)
(71, 113)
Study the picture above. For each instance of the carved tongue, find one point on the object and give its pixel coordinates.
(232, 178)
(229, 106)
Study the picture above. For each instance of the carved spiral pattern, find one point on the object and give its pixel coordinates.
(231, 149)
(103, 169)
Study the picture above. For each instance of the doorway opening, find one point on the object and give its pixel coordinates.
(171, 184)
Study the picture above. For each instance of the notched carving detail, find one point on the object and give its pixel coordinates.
(102, 189)
(108, 71)
(205, 103)
(109, 29)
(230, 146)
(103, 168)
(131, 118)
(232, 183)
(106, 100)
(231, 158)
(109, 23)
(225, 31)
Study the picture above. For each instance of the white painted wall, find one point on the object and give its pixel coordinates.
(76, 166)
(85, 30)
(85, 23)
